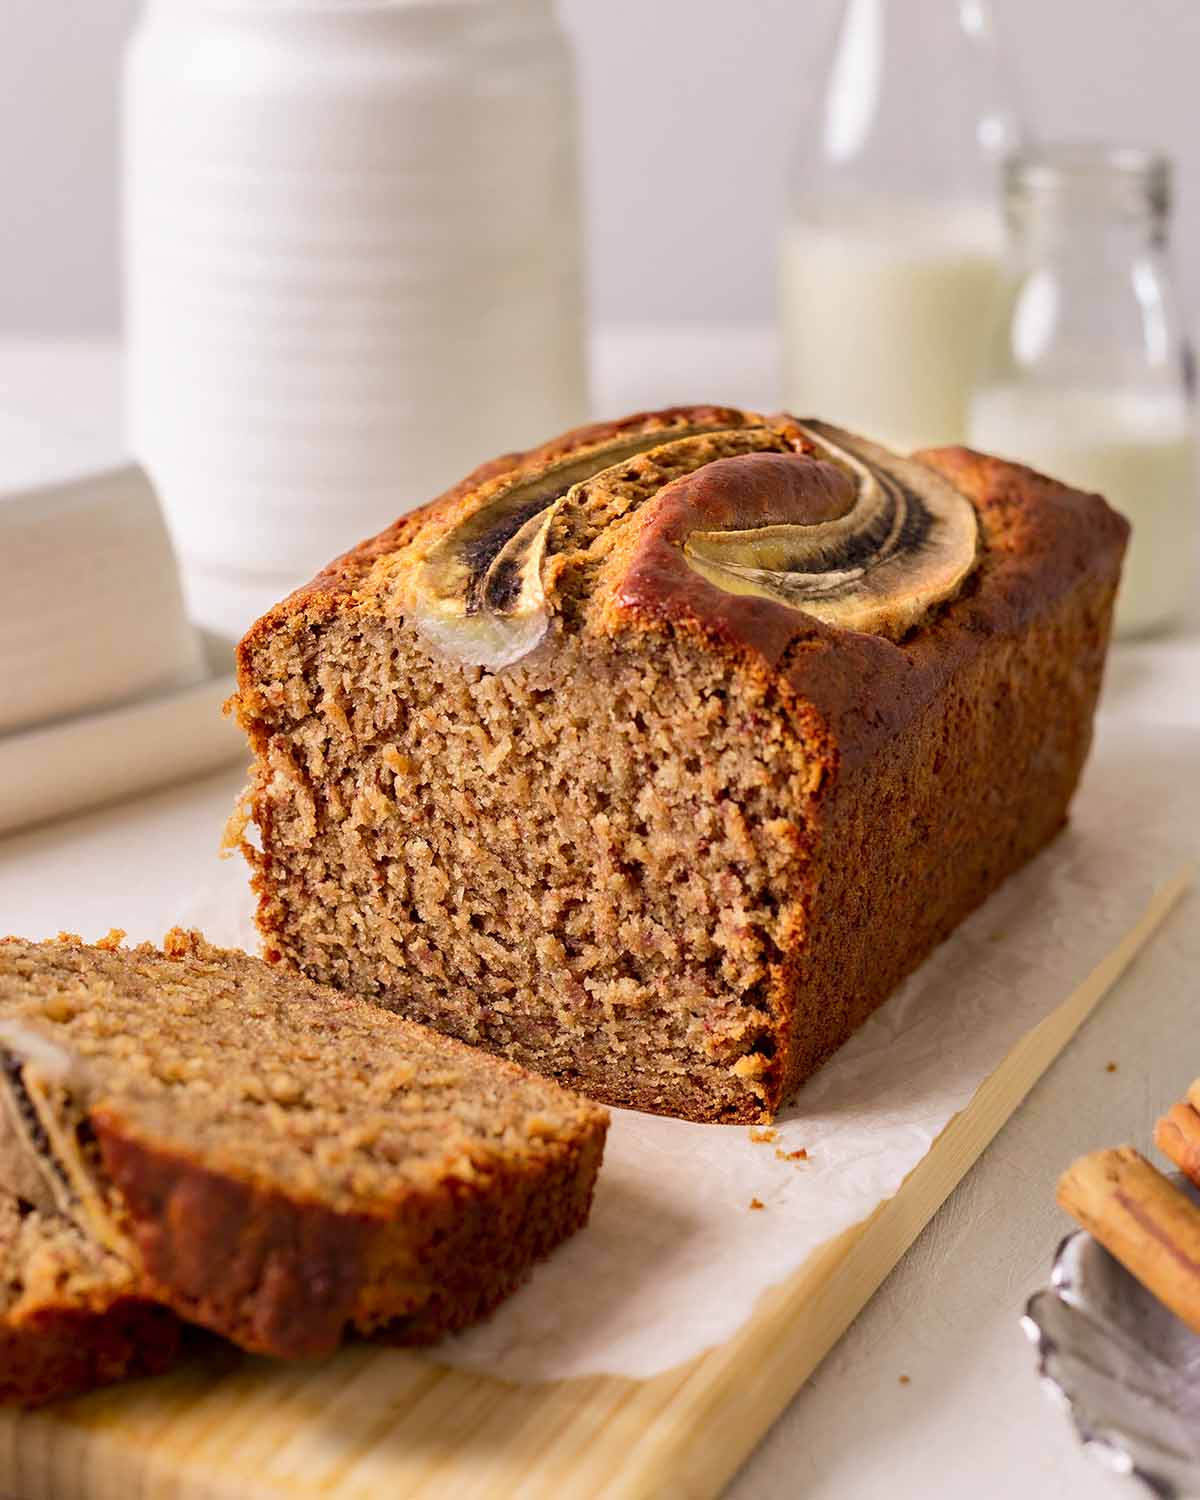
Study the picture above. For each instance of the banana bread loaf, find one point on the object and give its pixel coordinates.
(654, 758)
(272, 1160)
(71, 1317)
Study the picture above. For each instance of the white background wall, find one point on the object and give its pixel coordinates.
(689, 112)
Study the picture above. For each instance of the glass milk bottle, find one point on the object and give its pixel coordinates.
(890, 260)
(1089, 372)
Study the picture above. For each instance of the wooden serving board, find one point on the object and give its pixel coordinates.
(371, 1422)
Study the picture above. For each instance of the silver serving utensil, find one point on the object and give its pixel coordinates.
(1126, 1368)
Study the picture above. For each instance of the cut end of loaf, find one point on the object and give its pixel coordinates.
(675, 851)
(580, 865)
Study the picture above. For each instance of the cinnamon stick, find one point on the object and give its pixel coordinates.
(1143, 1220)
(1177, 1134)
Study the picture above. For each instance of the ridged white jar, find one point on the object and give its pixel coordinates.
(353, 265)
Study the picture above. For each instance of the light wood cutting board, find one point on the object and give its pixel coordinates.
(372, 1423)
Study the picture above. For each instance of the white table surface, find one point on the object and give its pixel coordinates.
(970, 1420)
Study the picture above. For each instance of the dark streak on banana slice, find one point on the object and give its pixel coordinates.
(508, 576)
(28, 1167)
(478, 593)
(488, 558)
(45, 1138)
(905, 542)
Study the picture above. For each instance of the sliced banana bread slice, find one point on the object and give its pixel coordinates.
(278, 1162)
(71, 1317)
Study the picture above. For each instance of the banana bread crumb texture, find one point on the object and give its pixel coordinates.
(582, 763)
(275, 1161)
(71, 1317)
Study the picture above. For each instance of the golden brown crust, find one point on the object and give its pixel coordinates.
(479, 1245)
(941, 762)
(911, 726)
(1040, 541)
(272, 1275)
(911, 840)
(72, 1316)
(70, 1350)
(281, 1269)
(334, 586)
(280, 1276)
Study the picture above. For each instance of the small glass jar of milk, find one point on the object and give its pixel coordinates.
(890, 261)
(1088, 376)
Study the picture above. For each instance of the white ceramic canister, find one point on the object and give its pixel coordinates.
(353, 267)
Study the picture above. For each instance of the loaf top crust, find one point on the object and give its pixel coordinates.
(346, 581)
(849, 691)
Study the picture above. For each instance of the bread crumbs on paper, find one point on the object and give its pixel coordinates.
(904, 1380)
(763, 1137)
(1112, 1068)
(757, 1203)
(800, 1155)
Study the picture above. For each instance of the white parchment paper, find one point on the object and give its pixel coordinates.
(674, 1259)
